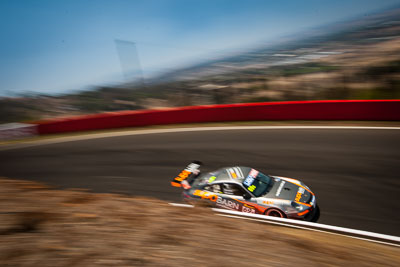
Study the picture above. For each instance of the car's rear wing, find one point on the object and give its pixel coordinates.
(192, 170)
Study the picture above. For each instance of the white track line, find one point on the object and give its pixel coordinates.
(181, 205)
(310, 229)
(305, 225)
(179, 130)
(311, 224)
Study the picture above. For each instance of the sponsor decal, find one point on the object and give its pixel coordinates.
(185, 185)
(233, 174)
(249, 180)
(248, 210)
(268, 202)
(299, 194)
(239, 172)
(192, 167)
(183, 175)
(205, 195)
(251, 188)
(275, 201)
(253, 173)
(212, 179)
(278, 192)
(226, 203)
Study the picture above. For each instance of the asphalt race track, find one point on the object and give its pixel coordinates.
(355, 173)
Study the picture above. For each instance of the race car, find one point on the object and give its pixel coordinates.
(248, 190)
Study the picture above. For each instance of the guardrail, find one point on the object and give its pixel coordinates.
(359, 234)
(297, 110)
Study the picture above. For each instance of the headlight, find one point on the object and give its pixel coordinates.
(312, 202)
(298, 207)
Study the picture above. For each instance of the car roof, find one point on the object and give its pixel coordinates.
(231, 174)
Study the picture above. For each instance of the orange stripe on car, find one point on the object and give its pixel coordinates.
(302, 213)
(308, 205)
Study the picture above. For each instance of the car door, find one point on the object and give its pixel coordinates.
(210, 193)
(232, 198)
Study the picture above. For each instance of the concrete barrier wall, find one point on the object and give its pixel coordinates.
(11, 131)
(388, 110)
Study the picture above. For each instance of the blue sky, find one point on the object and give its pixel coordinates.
(54, 46)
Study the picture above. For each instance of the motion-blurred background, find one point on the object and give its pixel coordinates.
(62, 58)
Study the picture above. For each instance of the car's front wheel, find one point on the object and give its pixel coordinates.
(275, 213)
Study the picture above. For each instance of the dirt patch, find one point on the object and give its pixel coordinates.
(40, 226)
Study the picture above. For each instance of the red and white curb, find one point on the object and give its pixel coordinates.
(352, 233)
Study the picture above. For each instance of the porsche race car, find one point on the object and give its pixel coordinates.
(248, 190)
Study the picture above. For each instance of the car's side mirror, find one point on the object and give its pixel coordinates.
(246, 196)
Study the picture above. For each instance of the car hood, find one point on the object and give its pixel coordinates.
(283, 189)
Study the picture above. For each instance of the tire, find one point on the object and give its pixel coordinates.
(275, 213)
(316, 215)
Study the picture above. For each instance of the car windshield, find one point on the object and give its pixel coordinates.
(257, 183)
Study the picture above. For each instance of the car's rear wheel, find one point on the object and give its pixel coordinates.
(275, 213)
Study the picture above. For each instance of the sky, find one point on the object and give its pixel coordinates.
(54, 46)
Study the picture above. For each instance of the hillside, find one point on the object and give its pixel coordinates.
(359, 59)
